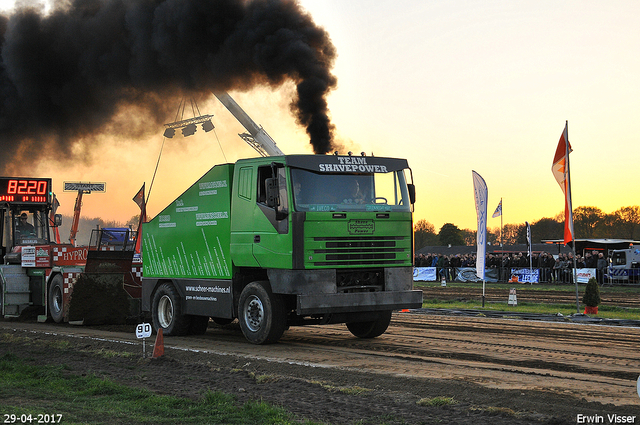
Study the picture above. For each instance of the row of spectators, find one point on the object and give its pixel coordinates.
(553, 268)
(593, 260)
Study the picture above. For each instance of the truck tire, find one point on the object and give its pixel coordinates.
(371, 329)
(166, 311)
(261, 314)
(55, 298)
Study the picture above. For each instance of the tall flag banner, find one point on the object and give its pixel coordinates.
(560, 170)
(52, 218)
(498, 211)
(139, 199)
(481, 194)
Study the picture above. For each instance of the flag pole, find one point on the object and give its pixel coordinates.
(501, 226)
(573, 236)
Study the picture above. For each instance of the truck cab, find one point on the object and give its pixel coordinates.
(625, 265)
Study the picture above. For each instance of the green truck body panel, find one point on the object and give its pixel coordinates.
(190, 237)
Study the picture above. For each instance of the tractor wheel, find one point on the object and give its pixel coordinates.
(371, 329)
(261, 314)
(56, 298)
(166, 311)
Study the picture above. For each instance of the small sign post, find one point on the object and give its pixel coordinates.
(143, 330)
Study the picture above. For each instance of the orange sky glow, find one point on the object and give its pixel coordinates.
(452, 86)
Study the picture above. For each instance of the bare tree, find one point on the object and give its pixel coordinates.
(424, 234)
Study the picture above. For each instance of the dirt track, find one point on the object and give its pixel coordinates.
(499, 371)
(525, 294)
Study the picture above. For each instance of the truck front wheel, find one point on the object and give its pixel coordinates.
(371, 329)
(261, 314)
(56, 298)
(166, 311)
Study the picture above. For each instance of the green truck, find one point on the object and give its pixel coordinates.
(284, 240)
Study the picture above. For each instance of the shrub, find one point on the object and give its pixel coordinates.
(591, 296)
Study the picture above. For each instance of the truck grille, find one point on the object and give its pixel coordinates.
(359, 250)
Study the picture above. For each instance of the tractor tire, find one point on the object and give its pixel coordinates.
(261, 314)
(371, 329)
(166, 312)
(55, 298)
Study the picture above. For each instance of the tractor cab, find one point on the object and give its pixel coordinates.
(25, 205)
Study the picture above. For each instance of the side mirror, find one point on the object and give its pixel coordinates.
(412, 193)
(272, 192)
(57, 220)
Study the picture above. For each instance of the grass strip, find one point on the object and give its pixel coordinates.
(630, 289)
(53, 390)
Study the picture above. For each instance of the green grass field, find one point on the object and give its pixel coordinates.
(46, 394)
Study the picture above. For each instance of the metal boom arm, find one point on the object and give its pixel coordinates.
(258, 138)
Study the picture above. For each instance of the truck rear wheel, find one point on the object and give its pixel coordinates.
(166, 311)
(371, 329)
(56, 299)
(261, 314)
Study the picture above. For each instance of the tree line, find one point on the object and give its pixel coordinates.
(588, 223)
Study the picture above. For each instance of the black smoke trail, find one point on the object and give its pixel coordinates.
(64, 75)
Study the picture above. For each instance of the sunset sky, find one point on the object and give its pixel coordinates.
(453, 86)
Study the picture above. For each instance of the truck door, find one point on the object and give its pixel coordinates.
(260, 217)
(271, 240)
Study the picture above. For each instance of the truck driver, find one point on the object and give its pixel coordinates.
(24, 228)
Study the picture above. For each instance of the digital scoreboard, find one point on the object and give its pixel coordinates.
(25, 190)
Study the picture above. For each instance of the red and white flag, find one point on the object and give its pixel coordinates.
(560, 171)
(139, 199)
(52, 218)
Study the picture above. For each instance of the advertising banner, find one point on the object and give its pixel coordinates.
(526, 275)
(585, 274)
(424, 274)
(468, 274)
(480, 193)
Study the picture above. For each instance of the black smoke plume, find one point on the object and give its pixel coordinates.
(66, 74)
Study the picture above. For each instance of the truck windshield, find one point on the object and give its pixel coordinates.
(619, 259)
(30, 227)
(349, 192)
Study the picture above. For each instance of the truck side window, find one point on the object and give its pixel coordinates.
(265, 173)
(244, 183)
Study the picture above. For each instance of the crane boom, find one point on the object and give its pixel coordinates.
(257, 138)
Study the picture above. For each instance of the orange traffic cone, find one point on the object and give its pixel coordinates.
(158, 348)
